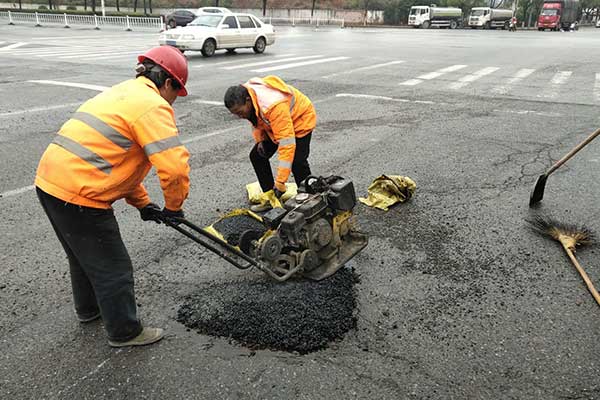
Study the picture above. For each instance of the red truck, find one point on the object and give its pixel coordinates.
(557, 14)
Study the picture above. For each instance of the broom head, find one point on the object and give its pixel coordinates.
(569, 235)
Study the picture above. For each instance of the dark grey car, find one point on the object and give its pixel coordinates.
(179, 18)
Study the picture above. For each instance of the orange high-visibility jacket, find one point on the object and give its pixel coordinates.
(283, 113)
(105, 150)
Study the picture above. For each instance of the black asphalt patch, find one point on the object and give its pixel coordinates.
(296, 316)
(232, 227)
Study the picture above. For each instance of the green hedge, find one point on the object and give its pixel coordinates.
(81, 12)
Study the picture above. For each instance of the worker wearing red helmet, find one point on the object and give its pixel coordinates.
(99, 156)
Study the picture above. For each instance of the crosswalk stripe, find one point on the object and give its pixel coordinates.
(67, 50)
(597, 87)
(300, 64)
(12, 46)
(72, 84)
(518, 77)
(467, 79)
(254, 64)
(433, 75)
(559, 79)
(364, 68)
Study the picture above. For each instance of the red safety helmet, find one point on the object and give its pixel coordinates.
(172, 61)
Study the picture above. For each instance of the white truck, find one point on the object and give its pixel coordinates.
(489, 18)
(427, 16)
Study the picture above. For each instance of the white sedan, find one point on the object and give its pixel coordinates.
(209, 33)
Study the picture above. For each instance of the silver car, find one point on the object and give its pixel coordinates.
(211, 32)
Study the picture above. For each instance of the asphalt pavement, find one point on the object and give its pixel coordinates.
(456, 298)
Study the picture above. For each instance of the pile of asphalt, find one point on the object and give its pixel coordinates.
(232, 227)
(296, 316)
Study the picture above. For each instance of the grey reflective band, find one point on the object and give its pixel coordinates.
(293, 101)
(284, 164)
(287, 141)
(103, 128)
(83, 153)
(162, 145)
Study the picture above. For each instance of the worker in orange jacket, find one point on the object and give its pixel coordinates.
(101, 155)
(283, 119)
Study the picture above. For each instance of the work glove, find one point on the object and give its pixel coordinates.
(260, 149)
(172, 216)
(151, 212)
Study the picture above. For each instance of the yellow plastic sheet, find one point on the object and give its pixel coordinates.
(239, 211)
(257, 196)
(388, 190)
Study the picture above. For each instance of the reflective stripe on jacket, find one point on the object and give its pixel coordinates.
(105, 150)
(283, 114)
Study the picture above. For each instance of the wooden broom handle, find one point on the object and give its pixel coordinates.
(573, 152)
(585, 277)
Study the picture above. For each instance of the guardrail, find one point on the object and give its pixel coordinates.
(304, 21)
(96, 21)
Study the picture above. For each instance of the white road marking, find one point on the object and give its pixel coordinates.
(467, 79)
(254, 64)
(559, 79)
(235, 61)
(58, 51)
(597, 87)
(38, 109)
(363, 68)
(525, 112)
(72, 84)
(373, 97)
(17, 191)
(518, 77)
(209, 102)
(12, 46)
(91, 54)
(114, 55)
(300, 64)
(432, 75)
(2, 42)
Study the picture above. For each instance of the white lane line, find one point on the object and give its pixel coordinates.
(432, 75)
(2, 42)
(300, 64)
(467, 79)
(518, 77)
(91, 54)
(597, 87)
(17, 191)
(12, 46)
(526, 112)
(72, 84)
(371, 97)
(209, 102)
(363, 68)
(235, 61)
(254, 64)
(113, 55)
(38, 109)
(559, 79)
(57, 51)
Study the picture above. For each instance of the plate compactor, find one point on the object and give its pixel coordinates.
(313, 235)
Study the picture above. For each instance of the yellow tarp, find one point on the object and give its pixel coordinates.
(388, 190)
(239, 211)
(256, 195)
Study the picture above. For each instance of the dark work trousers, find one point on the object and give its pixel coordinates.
(101, 270)
(262, 166)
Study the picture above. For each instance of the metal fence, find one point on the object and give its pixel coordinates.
(66, 20)
(304, 21)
